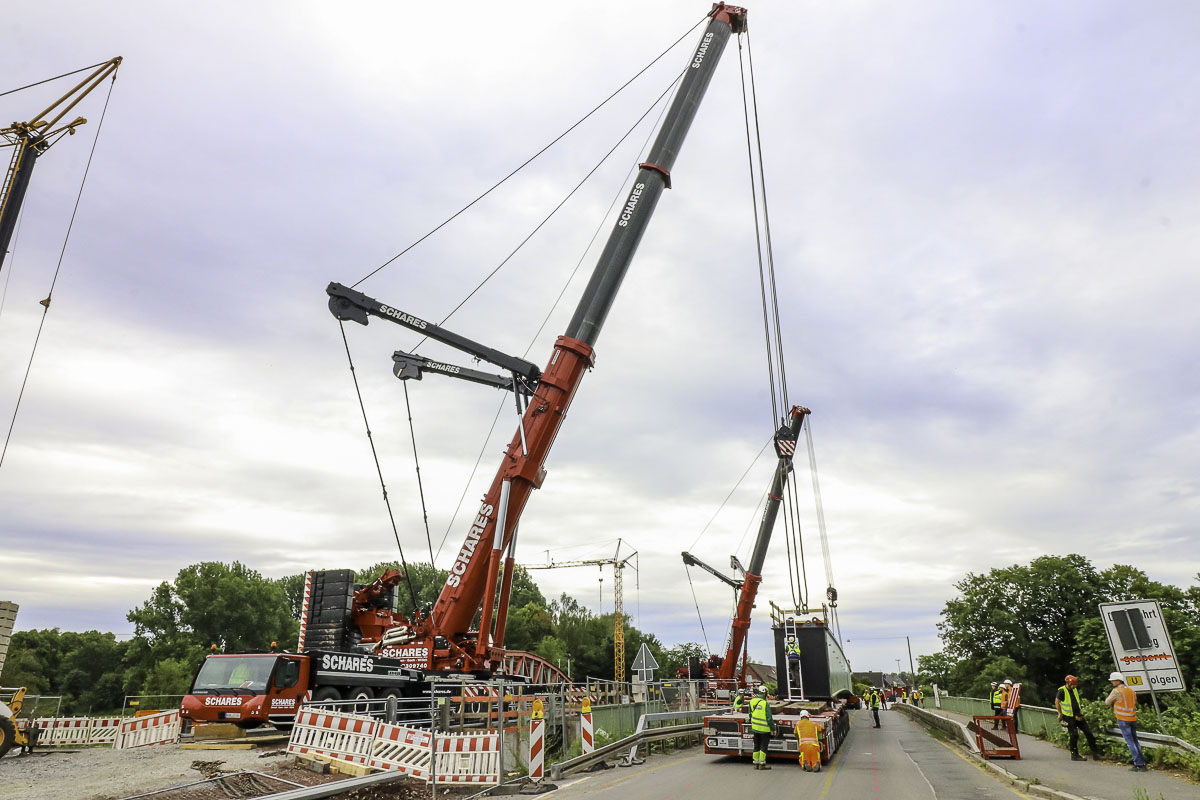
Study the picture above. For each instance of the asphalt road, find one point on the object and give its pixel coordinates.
(900, 761)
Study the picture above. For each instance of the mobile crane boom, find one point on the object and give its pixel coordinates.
(785, 448)
(471, 587)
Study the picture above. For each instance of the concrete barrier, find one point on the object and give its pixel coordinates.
(953, 727)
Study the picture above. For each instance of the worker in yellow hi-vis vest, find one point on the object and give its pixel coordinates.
(761, 724)
(809, 733)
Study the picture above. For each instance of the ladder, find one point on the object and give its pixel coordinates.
(794, 677)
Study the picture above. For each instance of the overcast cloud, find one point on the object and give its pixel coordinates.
(985, 221)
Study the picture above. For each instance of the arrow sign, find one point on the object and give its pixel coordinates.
(644, 661)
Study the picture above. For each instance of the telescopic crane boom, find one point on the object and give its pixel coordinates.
(471, 587)
(785, 447)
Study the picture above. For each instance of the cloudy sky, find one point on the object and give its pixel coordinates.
(985, 220)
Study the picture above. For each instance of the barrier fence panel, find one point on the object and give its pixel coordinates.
(333, 734)
(154, 729)
(467, 758)
(401, 749)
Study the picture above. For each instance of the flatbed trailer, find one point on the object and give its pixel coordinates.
(728, 734)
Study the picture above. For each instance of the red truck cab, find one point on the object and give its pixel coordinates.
(248, 689)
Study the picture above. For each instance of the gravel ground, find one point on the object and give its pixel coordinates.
(102, 773)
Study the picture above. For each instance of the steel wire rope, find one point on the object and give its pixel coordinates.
(417, 463)
(58, 267)
(595, 234)
(762, 278)
(755, 514)
(528, 161)
(692, 586)
(378, 469)
(731, 491)
(762, 179)
(787, 540)
(794, 503)
(555, 210)
(64, 75)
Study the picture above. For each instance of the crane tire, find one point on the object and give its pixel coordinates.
(326, 693)
(8, 735)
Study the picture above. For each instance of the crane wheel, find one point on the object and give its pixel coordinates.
(8, 735)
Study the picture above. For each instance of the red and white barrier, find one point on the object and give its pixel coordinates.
(467, 758)
(73, 731)
(402, 749)
(585, 727)
(154, 729)
(537, 743)
(333, 734)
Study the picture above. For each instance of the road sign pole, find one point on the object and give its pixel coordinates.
(1150, 683)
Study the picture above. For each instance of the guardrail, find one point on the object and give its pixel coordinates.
(562, 768)
(1160, 739)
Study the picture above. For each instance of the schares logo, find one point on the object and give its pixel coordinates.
(468, 549)
(407, 319)
(631, 205)
(350, 663)
(699, 59)
(222, 701)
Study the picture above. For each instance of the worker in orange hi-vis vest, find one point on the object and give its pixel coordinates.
(1124, 704)
(809, 734)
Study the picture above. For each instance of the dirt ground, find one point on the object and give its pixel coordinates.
(102, 773)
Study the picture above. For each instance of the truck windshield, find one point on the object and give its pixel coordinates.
(234, 672)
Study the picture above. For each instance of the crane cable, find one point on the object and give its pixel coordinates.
(61, 254)
(530, 160)
(620, 193)
(692, 586)
(378, 469)
(776, 372)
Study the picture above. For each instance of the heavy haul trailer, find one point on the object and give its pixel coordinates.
(818, 682)
(729, 734)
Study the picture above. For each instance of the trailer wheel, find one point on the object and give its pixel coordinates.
(361, 695)
(8, 735)
(326, 693)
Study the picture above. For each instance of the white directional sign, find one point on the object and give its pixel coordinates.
(1141, 646)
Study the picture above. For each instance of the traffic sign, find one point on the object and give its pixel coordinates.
(645, 660)
(1141, 646)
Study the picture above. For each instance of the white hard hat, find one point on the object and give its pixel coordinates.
(1116, 676)
(762, 689)
(1007, 681)
(803, 715)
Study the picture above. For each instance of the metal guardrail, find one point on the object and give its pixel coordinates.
(1160, 739)
(562, 768)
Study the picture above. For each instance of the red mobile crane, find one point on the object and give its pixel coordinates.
(442, 640)
(721, 671)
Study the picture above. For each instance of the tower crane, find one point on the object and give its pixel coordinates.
(618, 564)
(31, 139)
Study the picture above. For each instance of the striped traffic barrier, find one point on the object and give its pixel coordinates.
(153, 729)
(585, 726)
(333, 734)
(402, 749)
(537, 743)
(467, 758)
(304, 606)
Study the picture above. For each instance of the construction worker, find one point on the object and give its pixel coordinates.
(791, 649)
(1012, 700)
(809, 733)
(1124, 704)
(761, 724)
(1066, 702)
(875, 700)
(997, 703)
(737, 701)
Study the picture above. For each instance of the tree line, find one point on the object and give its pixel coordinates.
(1037, 623)
(236, 609)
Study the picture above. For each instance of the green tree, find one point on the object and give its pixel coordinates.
(169, 676)
(229, 605)
(935, 668)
